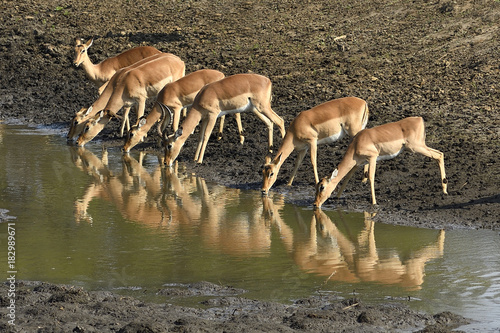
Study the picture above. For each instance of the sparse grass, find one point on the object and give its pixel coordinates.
(63, 10)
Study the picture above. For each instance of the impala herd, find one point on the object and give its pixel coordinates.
(135, 75)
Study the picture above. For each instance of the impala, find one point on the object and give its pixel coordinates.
(325, 123)
(172, 99)
(102, 72)
(78, 123)
(233, 94)
(134, 86)
(379, 143)
(81, 117)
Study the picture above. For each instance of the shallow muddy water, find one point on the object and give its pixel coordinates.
(103, 220)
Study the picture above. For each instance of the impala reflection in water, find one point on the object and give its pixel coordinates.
(167, 200)
(352, 261)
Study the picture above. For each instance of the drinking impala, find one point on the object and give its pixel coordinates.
(134, 86)
(375, 144)
(233, 94)
(172, 99)
(325, 123)
(85, 114)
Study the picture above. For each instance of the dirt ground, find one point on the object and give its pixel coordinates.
(431, 58)
(60, 308)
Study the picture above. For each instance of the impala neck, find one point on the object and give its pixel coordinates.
(90, 69)
(99, 104)
(192, 120)
(116, 100)
(151, 119)
(285, 150)
(346, 165)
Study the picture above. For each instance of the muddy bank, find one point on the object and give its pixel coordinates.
(43, 307)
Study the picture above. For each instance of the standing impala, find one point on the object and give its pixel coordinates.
(172, 99)
(325, 123)
(379, 143)
(102, 72)
(78, 123)
(134, 86)
(233, 94)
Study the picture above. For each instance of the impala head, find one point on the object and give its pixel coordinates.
(81, 51)
(172, 146)
(324, 189)
(77, 123)
(270, 173)
(136, 135)
(94, 126)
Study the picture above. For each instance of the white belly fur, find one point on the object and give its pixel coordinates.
(332, 138)
(248, 107)
(389, 156)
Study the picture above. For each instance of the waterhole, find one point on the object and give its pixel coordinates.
(103, 220)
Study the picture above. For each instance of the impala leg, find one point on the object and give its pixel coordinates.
(439, 157)
(221, 127)
(269, 125)
(141, 106)
(237, 117)
(346, 180)
(273, 116)
(372, 164)
(210, 124)
(298, 161)
(101, 88)
(365, 174)
(125, 120)
(177, 118)
(314, 157)
(203, 128)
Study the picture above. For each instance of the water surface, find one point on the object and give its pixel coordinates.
(103, 220)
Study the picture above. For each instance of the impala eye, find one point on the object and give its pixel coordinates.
(321, 188)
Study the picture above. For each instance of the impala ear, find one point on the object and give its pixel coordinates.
(99, 115)
(267, 159)
(334, 174)
(178, 133)
(279, 158)
(88, 111)
(95, 119)
(78, 41)
(142, 122)
(89, 42)
(81, 112)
